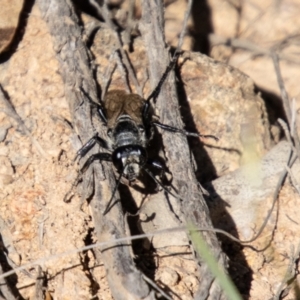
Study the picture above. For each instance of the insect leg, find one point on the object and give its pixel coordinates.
(98, 156)
(156, 164)
(102, 114)
(171, 65)
(156, 91)
(100, 108)
(160, 184)
(187, 133)
(90, 144)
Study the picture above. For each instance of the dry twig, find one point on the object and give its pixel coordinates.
(286, 102)
(110, 243)
(193, 205)
(123, 277)
(153, 284)
(285, 285)
(39, 293)
(104, 11)
(237, 43)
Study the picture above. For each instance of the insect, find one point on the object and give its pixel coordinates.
(130, 124)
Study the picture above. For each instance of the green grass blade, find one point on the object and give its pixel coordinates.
(223, 279)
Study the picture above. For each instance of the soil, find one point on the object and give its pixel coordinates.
(37, 168)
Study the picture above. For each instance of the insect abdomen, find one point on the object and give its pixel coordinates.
(126, 132)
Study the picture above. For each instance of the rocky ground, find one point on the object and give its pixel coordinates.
(36, 157)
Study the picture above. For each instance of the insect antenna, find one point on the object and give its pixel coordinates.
(109, 205)
(160, 184)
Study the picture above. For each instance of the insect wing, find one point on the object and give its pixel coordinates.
(114, 105)
(133, 107)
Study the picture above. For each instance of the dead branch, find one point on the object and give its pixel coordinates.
(193, 205)
(289, 277)
(124, 279)
(106, 15)
(243, 44)
(39, 284)
(286, 101)
(111, 243)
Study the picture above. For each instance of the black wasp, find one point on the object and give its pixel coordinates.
(129, 124)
